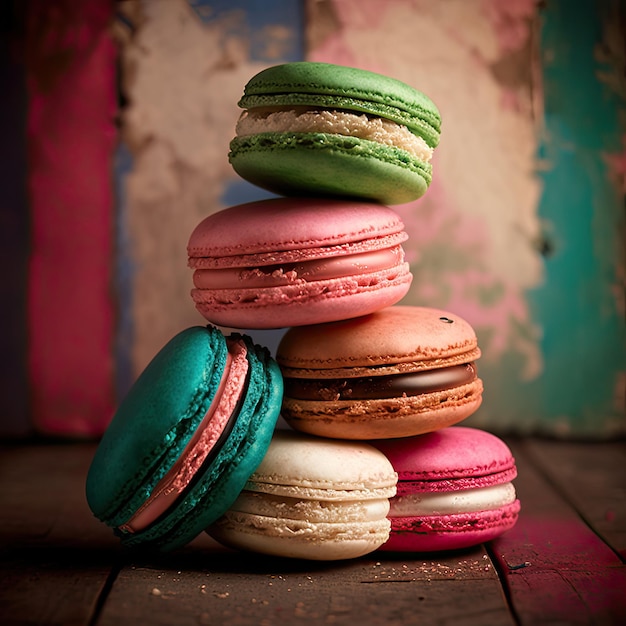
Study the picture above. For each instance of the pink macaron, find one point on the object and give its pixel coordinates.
(454, 490)
(294, 261)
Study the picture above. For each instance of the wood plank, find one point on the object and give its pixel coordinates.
(207, 584)
(573, 577)
(56, 562)
(43, 497)
(593, 478)
(55, 557)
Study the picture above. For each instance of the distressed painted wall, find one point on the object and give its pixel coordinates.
(580, 303)
(522, 231)
(472, 237)
(525, 242)
(184, 67)
(519, 232)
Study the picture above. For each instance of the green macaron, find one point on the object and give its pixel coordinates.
(322, 129)
(185, 439)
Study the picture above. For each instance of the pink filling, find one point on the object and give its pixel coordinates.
(306, 271)
(202, 442)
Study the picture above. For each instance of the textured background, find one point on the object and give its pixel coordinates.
(521, 232)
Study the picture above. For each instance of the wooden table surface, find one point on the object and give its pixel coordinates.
(562, 564)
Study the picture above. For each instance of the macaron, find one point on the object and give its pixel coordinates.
(185, 439)
(312, 498)
(318, 128)
(454, 490)
(293, 261)
(398, 372)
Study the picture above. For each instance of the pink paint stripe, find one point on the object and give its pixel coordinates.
(71, 139)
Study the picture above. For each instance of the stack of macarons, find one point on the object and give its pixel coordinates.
(370, 388)
(326, 260)
(338, 144)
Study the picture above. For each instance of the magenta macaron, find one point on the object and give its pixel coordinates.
(454, 490)
(294, 261)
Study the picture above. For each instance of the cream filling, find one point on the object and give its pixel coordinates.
(313, 511)
(376, 129)
(169, 488)
(320, 269)
(372, 531)
(450, 502)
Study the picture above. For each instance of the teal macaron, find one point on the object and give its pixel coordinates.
(185, 439)
(322, 129)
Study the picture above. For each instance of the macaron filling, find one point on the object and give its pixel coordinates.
(295, 529)
(305, 271)
(452, 502)
(334, 122)
(313, 511)
(206, 441)
(378, 387)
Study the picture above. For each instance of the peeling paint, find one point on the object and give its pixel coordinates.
(511, 22)
(580, 306)
(473, 233)
(517, 232)
(496, 222)
(182, 78)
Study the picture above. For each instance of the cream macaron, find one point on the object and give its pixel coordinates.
(312, 498)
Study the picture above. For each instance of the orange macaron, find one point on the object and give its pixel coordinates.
(399, 372)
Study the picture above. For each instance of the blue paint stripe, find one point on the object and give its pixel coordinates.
(271, 27)
(124, 270)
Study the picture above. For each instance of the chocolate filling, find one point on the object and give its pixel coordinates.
(378, 387)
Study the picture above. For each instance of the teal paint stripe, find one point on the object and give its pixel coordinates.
(584, 334)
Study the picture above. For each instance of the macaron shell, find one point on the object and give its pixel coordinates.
(219, 484)
(471, 456)
(299, 164)
(398, 338)
(280, 224)
(312, 303)
(333, 469)
(387, 418)
(154, 422)
(449, 532)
